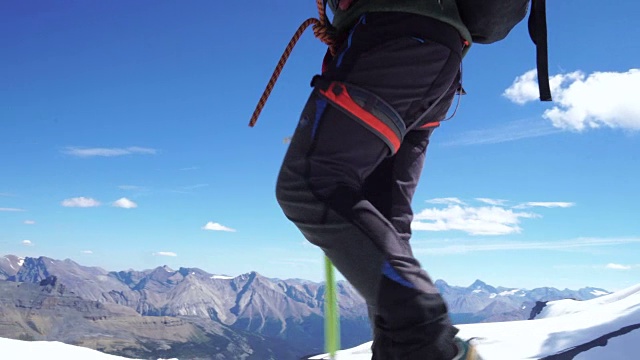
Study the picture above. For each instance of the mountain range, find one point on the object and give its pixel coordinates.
(189, 313)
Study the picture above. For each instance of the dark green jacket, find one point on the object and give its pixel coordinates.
(443, 10)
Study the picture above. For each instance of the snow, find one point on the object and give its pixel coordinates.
(562, 325)
(361, 352)
(599, 292)
(33, 350)
(617, 348)
(493, 296)
(476, 291)
(222, 277)
(565, 307)
(20, 262)
(509, 293)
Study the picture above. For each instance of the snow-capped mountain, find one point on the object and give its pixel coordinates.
(9, 266)
(480, 302)
(135, 308)
(254, 313)
(604, 328)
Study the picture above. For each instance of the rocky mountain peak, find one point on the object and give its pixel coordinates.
(478, 284)
(440, 282)
(33, 270)
(9, 266)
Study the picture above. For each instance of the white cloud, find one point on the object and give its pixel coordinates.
(496, 202)
(512, 131)
(27, 243)
(484, 220)
(545, 204)
(495, 219)
(11, 210)
(81, 202)
(601, 99)
(29, 222)
(525, 87)
(476, 246)
(165, 253)
(446, 201)
(87, 252)
(124, 203)
(188, 189)
(193, 187)
(613, 266)
(108, 152)
(216, 227)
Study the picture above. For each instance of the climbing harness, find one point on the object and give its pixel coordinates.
(322, 29)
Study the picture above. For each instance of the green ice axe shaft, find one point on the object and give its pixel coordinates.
(331, 316)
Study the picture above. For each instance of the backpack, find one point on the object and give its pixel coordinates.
(489, 21)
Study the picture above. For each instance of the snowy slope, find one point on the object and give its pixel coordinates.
(16, 349)
(605, 328)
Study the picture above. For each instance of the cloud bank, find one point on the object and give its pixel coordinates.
(494, 217)
(613, 266)
(497, 202)
(484, 220)
(81, 202)
(572, 244)
(547, 204)
(107, 152)
(165, 253)
(512, 131)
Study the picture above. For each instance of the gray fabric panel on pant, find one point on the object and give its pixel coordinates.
(353, 253)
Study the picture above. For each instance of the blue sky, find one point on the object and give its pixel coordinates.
(124, 144)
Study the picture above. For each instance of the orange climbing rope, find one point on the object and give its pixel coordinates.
(321, 30)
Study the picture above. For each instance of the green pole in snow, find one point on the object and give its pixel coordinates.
(331, 315)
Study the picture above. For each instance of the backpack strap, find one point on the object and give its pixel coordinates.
(538, 34)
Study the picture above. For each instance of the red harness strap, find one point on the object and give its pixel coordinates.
(430, 125)
(337, 93)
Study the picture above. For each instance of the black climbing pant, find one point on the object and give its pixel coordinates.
(354, 162)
